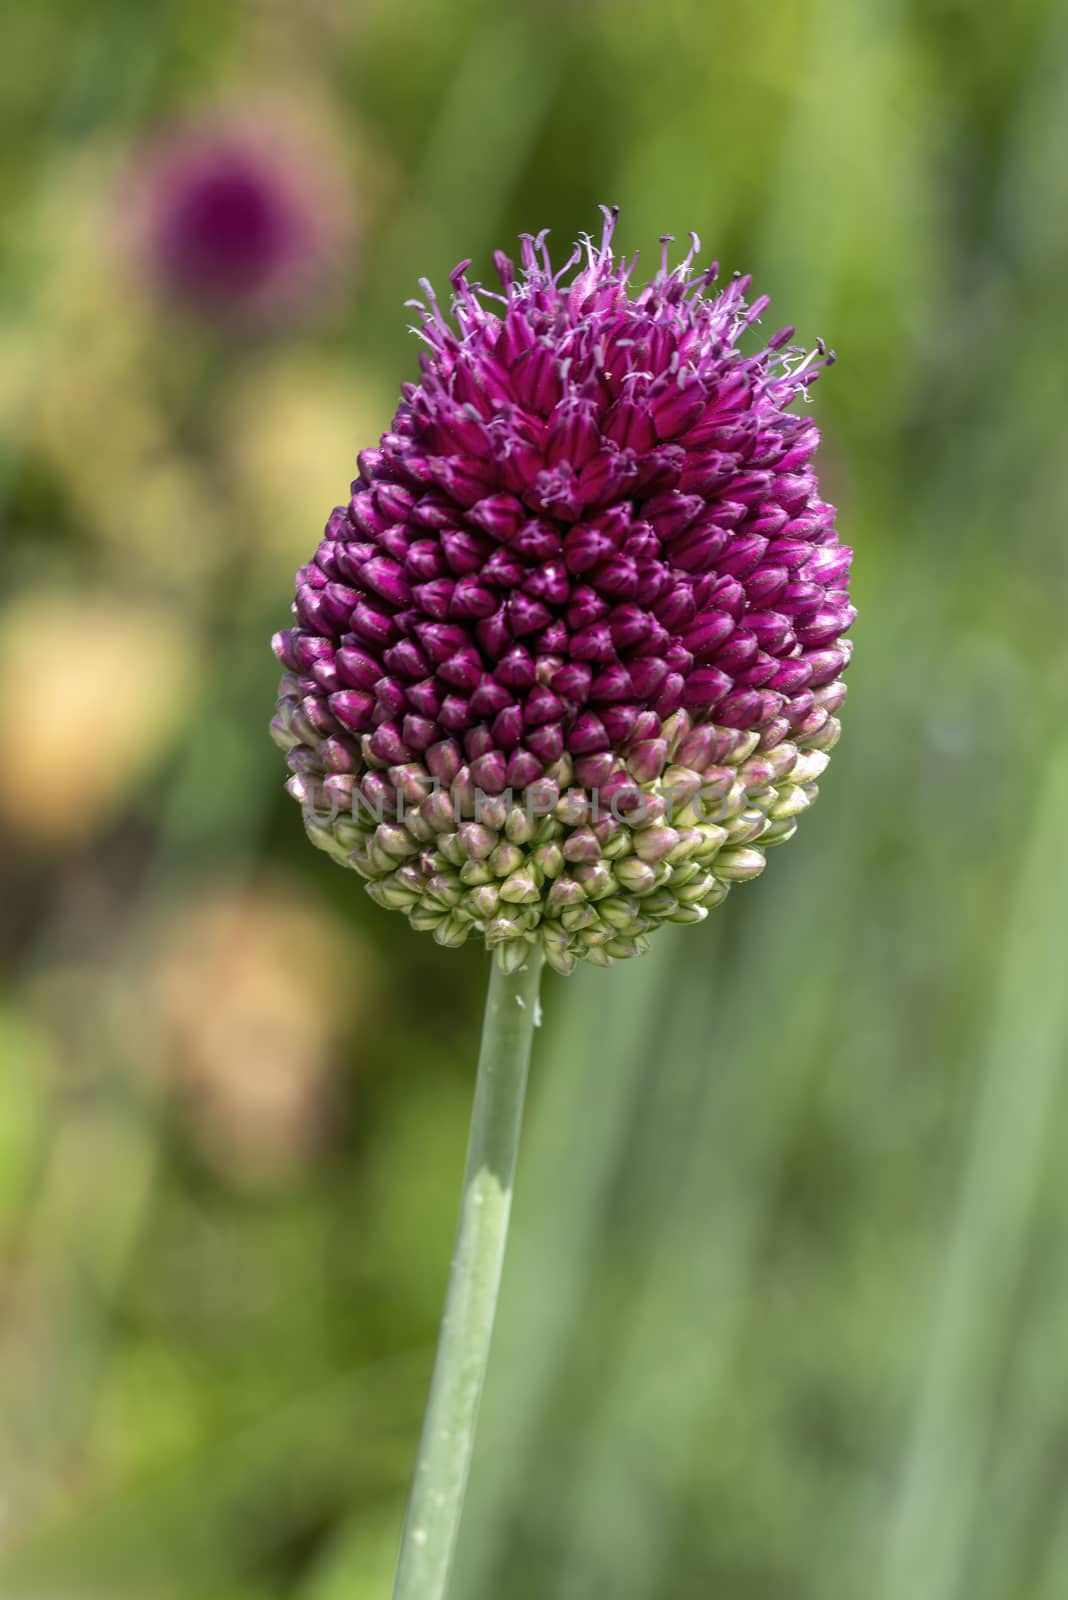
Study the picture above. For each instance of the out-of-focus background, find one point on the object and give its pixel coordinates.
(787, 1308)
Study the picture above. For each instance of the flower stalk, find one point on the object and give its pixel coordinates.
(447, 1442)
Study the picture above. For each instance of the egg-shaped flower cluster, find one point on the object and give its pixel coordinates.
(569, 659)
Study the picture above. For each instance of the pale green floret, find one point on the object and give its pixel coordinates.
(575, 877)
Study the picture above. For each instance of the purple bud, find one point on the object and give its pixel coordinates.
(824, 665)
(546, 742)
(455, 713)
(672, 512)
(675, 410)
(705, 688)
(472, 599)
(707, 633)
(500, 515)
(573, 682)
(490, 697)
(357, 668)
(825, 626)
(373, 627)
(516, 668)
(444, 760)
(620, 722)
(646, 761)
(541, 706)
(699, 547)
(585, 546)
(614, 684)
(462, 550)
(425, 697)
(507, 728)
(526, 615)
(550, 583)
(524, 768)
(387, 579)
(390, 698)
(490, 772)
(629, 625)
(587, 735)
(388, 746)
(463, 670)
(418, 732)
(593, 643)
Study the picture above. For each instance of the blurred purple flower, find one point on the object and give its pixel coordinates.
(240, 221)
(569, 658)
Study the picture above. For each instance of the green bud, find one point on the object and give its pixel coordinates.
(781, 760)
(565, 892)
(445, 888)
(681, 783)
(420, 830)
(572, 808)
(518, 827)
(549, 858)
(575, 918)
(484, 901)
(653, 844)
(479, 842)
(618, 913)
(695, 893)
(437, 812)
(561, 961)
(635, 875)
(689, 914)
(713, 838)
(661, 903)
(348, 835)
(450, 848)
(618, 843)
(475, 873)
(595, 879)
(511, 954)
(412, 781)
(737, 864)
(757, 774)
(394, 842)
(491, 811)
(452, 932)
(582, 845)
(689, 841)
(502, 929)
(391, 896)
(791, 801)
(598, 956)
(748, 824)
(520, 888)
(505, 859)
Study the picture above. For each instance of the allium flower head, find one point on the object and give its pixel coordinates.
(569, 659)
(239, 221)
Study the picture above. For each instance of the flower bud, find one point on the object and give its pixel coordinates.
(569, 660)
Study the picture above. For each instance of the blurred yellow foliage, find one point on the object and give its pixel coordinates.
(93, 691)
(251, 991)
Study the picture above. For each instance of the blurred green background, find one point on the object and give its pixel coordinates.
(786, 1312)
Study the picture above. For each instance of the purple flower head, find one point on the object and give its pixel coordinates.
(569, 658)
(237, 222)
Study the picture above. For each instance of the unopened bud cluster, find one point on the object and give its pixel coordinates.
(569, 660)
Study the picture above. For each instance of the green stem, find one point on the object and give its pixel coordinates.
(474, 1279)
